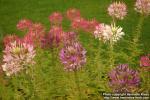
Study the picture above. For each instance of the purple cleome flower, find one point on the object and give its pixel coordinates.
(124, 79)
(73, 56)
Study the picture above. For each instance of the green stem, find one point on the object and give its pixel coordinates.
(111, 54)
(135, 42)
(77, 84)
(98, 61)
(54, 69)
(139, 29)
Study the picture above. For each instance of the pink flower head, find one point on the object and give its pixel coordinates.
(17, 56)
(35, 34)
(69, 37)
(56, 18)
(80, 24)
(73, 14)
(76, 23)
(10, 38)
(117, 10)
(145, 62)
(54, 37)
(143, 6)
(73, 56)
(24, 24)
(90, 26)
(124, 79)
(84, 25)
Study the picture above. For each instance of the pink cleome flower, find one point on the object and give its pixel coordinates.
(91, 26)
(117, 10)
(84, 25)
(24, 24)
(76, 23)
(145, 62)
(69, 38)
(10, 38)
(35, 34)
(56, 18)
(143, 6)
(73, 56)
(123, 79)
(80, 24)
(73, 14)
(54, 38)
(17, 56)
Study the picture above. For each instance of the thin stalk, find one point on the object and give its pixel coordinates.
(77, 84)
(111, 47)
(135, 42)
(111, 54)
(54, 89)
(139, 28)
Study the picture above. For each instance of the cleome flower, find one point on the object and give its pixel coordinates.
(10, 38)
(69, 37)
(123, 79)
(73, 14)
(108, 33)
(17, 56)
(54, 37)
(145, 62)
(56, 18)
(117, 10)
(84, 25)
(73, 56)
(143, 6)
(24, 24)
(35, 34)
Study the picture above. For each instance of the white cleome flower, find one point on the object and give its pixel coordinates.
(108, 32)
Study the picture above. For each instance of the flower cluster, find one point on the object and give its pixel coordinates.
(79, 23)
(108, 33)
(145, 62)
(117, 10)
(17, 56)
(73, 14)
(54, 37)
(35, 34)
(56, 18)
(10, 38)
(85, 25)
(24, 24)
(35, 31)
(73, 56)
(124, 79)
(143, 6)
(69, 37)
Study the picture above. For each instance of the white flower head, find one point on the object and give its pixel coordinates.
(106, 32)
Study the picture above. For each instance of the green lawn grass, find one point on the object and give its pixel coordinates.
(11, 11)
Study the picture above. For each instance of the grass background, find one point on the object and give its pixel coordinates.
(11, 11)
